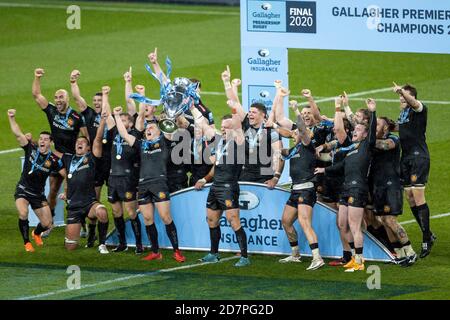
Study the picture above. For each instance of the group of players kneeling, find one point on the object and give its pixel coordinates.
(350, 161)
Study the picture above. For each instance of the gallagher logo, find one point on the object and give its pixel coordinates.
(266, 6)
(263, 53)
(248, 200)
(264, 94)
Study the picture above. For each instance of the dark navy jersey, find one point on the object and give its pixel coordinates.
(92, 120)
(179, 155)
(385, 167)
(154, 156)
(201, 164)
(258, 148)
(36, 168)
(355, 166)
(412, 131)
(227, 167)
(80, 180)
(302, 163)
(64, 127)
(123, 156)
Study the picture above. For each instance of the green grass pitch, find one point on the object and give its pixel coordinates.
(201, 41)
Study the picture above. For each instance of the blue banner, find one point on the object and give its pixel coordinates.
(261, 211)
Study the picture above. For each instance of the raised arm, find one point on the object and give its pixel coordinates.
(153, 58)
(385, 144)
(106, 108)
(340, 133)
(410, 99)
(23, 141)
(312, 104)
(140, 125)
(79, 100)
(372, 106)
(236, 127)
(131, 105)
(121, 128)
(36, 89)
(200, 122)
(232, 94)
(348, 111)
(97, 145)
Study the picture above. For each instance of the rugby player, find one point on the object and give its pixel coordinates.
(39, 162)
(92, 117)
(224, 192)
(387, 189)
(303, 195)
(79, 172)
(153, 190)
(262, 144)
(122, 184)
(354, 197)
(415, 160)
(65, 125)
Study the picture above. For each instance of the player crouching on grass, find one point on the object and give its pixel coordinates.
(39, 162)
(79, 172)
(153, 190)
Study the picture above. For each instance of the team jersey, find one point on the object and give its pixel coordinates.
(357, 160)
(302, 163)
(36, 168)
(176, 166)
(258, 148)
(64, 127)
(154, 156)
(92, 120)
(385, 165)
(201, 164)
(227, 167)
(80, 172)
(412, 131)
(123, 156)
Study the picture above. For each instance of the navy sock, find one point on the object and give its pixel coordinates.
(120, 226)
(102, 231)
(242, 240)
(24, 228)
(171, 231)
(152, 235)
(215, 235)
(136, 225)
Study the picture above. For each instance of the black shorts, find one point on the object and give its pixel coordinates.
(223, 197)
(102, 170)
(122, 188)
(79, 213)
(36, 201)
(175, 186)
(354, 198)
(388, 200)
(414, 171)
(151, 192)
(306, 196)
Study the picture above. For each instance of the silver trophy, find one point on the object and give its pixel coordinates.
(176, 101)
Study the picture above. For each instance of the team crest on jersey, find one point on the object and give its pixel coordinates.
(387, 209)
(156, 146)
(319, 189)
(162, 195)
(228, 203)
(351, 200)
(85, 160)
(47, 164)
(413, 178)
(300, 199)
(128, 195)
(70, 122)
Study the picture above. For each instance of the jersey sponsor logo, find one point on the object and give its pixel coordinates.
(248, 200)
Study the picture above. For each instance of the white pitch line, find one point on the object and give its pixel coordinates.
(118, 9)
(10, 150)
(140, 275)
(436, 216)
